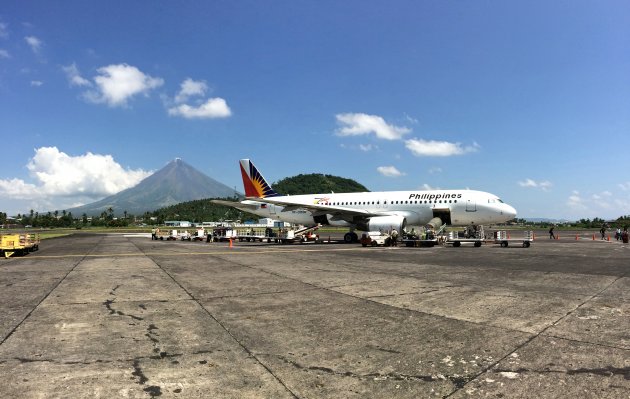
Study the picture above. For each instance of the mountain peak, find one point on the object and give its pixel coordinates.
(176, 182)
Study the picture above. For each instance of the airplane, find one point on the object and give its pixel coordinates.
(370, 211)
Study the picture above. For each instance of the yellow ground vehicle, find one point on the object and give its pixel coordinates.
(18, 244)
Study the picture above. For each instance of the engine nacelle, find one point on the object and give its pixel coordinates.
(386, 223)
(434, 223)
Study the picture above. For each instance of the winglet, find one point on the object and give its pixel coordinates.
(254, 183)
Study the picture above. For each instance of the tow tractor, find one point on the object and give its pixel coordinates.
(301, 235)
(375, 238)
(503, 238)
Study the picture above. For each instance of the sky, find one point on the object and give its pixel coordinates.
(527, 100)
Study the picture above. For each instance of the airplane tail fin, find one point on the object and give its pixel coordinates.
(254, 183)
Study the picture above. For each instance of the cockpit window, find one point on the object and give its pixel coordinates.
(494, 200)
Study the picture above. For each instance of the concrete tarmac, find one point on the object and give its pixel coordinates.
(117, 316)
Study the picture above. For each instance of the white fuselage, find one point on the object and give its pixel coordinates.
(459, 207)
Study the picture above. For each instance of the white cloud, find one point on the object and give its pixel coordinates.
(190, 88)
(116, 84)
(433, 148)
(361, 124)
(624, 186)
(4, 54)
(529, 183)
(367, 147)
(576, 202)
(74, 77)
(60, 178)
(36, 83)
(435, 169)
(4, 30)
(425, 186)
(389, 171)
(34, 43)
(213, 108)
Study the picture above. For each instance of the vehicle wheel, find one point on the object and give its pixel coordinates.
(365, 245)
(347, 238)
(526, 244)
(457, 244)
(477, 244)
(374, 243)
(504, 244)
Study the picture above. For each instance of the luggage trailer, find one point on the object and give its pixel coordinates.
(503, 238)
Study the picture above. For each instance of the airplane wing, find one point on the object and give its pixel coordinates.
(338, 212)
(237, 205)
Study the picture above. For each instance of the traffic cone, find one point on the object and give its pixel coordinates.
(231, 242)
(576, 237)
(593, 237)
(608, 237)
(557, 236)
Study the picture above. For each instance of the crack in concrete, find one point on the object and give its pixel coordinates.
(457, 380)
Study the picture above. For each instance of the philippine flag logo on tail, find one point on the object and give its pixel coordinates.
(254, 183)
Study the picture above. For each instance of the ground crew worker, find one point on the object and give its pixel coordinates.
(394, 238)
(153, 237)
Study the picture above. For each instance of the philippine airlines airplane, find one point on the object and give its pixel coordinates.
(371, 211)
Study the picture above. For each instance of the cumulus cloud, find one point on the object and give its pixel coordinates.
(435, 170)
(74, 77)
(212, 108)
(194, 91)
(36, 83)
(389, 171)
(4, 54)
(530, 183)
(361, 124)
(34, 43)
(433, 148)
(190, 88)
(116, 84)
(61, 178)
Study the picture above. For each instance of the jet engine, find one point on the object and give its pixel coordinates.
(386, 223)
(435, 223)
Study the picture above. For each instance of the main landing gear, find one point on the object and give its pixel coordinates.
(350, 237)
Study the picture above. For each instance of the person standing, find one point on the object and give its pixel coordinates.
(552, 236)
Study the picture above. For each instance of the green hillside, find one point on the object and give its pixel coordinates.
(317, 183)
(201, 211)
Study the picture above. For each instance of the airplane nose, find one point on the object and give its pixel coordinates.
(509, 211)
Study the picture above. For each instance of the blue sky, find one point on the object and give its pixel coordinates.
(527, 100)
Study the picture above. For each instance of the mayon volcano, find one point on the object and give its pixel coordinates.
(176, 182)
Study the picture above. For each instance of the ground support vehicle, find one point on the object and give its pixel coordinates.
(417, 242)
(503, 238)
(223, 233)
(472, 234)
(375, 238)
(254, 233)
(199, 235)
(13, 244)
(32, 241)
(301, 235)
(185, 236)
(427, 238)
